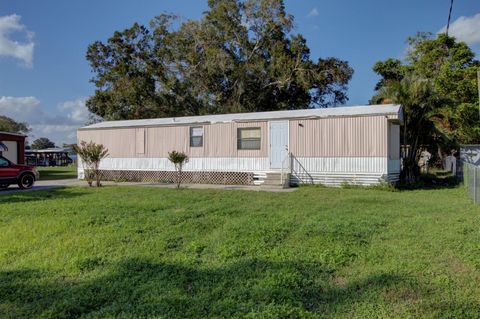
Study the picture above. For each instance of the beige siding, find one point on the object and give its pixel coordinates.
(120, 142)
(344, 136)
(219, 140)
(140, 141)
(161, 140)
(328, 137)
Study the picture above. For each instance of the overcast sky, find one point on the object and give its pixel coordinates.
(44, 77)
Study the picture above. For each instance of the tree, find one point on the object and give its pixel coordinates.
(91, 155)
(178, 159)
(419, 100)
(436, 84)
(241, 56)
(9, 125)
(69, 146)
(42, 143)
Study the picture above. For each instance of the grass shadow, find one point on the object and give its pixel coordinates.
(139, 288)
(57, 173)
(19, 196)
(437, 180)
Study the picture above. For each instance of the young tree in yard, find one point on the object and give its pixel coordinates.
(241, 56)
(9, 125)
(42, 143)
(178, 159)
(91, 155)
(437, 86)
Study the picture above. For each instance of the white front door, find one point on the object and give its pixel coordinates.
(278, 143)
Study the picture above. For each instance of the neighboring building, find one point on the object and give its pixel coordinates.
(49, 157)
(12, 147)
(359, 145)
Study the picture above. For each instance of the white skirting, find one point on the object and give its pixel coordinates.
(325, 170)
(335, 171)
(341, 164)
(338, 179)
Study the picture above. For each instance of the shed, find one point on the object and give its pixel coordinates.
(357, 144)
(12, 147)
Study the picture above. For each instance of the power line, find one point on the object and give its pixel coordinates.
(449, 16)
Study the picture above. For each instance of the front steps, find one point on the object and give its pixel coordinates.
(274, 180)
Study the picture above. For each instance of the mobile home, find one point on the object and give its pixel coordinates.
(358, 145)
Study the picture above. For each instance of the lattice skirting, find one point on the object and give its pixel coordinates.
(227, 178)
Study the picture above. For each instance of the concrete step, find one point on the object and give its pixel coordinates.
(268, 186)
(275, 179)
(274, 174)
(272, 182)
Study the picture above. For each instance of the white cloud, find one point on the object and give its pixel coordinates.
(313, 12)
(75, 110)
(19, 108)
(465, 29)
(59, 125)
(11, 48)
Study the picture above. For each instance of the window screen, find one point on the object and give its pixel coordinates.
(196, 136)
(248, 138)
(394, 143)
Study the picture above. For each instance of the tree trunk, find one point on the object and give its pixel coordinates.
(179, 176)
(97, 175)
(410, 170)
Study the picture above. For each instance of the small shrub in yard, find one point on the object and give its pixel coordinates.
(178, 159)
(91, 155)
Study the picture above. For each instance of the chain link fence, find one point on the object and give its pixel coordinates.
(471, 180)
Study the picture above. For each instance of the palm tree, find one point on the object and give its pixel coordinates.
(420, 103)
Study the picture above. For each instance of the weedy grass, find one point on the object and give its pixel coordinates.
(141, 252)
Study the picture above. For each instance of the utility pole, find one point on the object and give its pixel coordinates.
(449, 16)
(478, 86)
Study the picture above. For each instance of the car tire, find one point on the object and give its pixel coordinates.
(4, 186)
(26, 181)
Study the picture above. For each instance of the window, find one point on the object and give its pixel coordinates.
(248, 138)
(4, 162)
(196, 136)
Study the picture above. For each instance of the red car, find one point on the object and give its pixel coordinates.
(23, 175)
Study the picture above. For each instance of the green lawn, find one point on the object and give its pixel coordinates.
(57, 172)
(140, 252)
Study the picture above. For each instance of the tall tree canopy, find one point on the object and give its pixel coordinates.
(451, 68)
(437, 86)
(241, 56)
(10, 125)
(42, 143)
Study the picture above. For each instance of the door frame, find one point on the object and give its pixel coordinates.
(270, 141)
